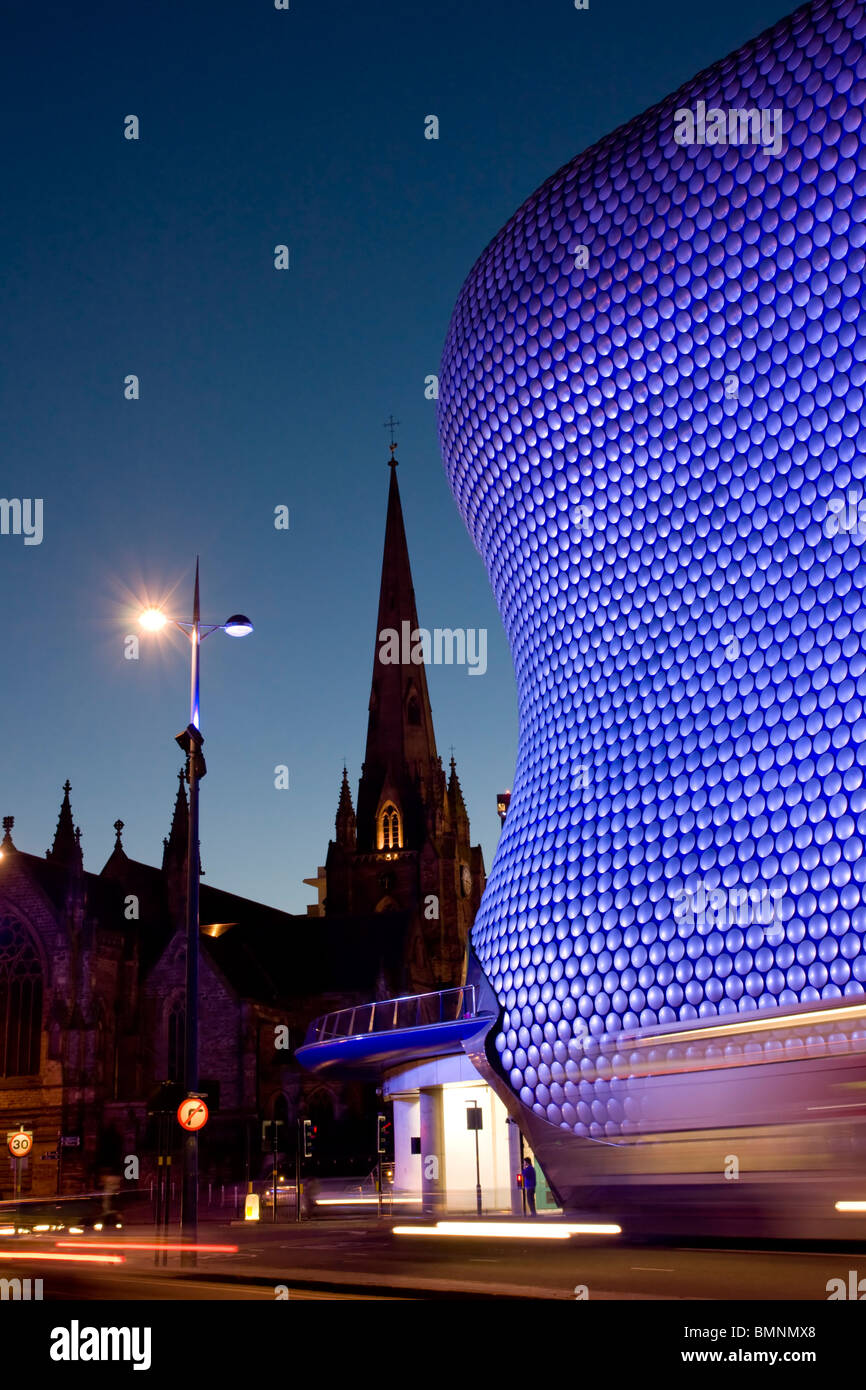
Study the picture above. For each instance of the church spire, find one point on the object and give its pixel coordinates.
(401, 745)
(455, 795)
(174, 847)
(346, 815)
(66, 850)
(409, 848)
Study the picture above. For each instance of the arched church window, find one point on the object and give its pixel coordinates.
(414, 711)
(20, 1000)
(176, 1042)
(390, 830)
(281, 1109)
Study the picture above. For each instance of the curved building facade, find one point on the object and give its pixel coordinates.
(652, 419)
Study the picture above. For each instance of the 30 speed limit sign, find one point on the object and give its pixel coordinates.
(192, 1113)
(20, 1142)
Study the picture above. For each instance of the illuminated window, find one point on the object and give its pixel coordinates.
(390, 830)
(20, 1000)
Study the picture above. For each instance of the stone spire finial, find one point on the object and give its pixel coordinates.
(66, 850)
(390, 424)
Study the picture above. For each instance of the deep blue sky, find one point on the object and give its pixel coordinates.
(258, 387)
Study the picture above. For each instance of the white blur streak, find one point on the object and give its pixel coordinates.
(510, 1230)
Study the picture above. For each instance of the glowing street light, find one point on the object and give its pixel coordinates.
(152, 620)
(190, 740)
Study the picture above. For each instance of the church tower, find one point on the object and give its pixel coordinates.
(408, 849)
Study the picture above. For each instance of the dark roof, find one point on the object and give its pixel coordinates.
(149, 886)
(279, 958)
(268, 955)
(104, 898)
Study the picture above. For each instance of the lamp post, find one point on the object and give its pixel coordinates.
(191, 742)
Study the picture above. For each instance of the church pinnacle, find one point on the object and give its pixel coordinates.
(174, 846)
(66, 850)
(345, 815)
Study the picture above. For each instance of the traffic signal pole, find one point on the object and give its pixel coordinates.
(298, 1171)
(381, 1145)
(275, 1126)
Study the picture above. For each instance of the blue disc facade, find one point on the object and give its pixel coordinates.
(651, 413)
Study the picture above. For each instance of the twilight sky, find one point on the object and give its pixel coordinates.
(259, 387)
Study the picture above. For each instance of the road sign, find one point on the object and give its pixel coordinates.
(70, 1141)
(52, 1156)
(192, 1113)
(20, 1142)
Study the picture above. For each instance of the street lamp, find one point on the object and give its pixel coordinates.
(153, 620)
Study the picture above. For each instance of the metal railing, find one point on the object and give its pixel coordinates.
(389, 1015)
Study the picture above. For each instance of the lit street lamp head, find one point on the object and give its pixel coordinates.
(152, 620)
(238, 625)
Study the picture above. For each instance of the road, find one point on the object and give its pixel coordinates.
(361, 1258)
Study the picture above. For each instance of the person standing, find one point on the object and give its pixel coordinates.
(528, 1176)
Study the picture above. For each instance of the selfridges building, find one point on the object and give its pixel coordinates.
(651, 414)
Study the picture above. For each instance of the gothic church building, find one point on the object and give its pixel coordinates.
(92, 965)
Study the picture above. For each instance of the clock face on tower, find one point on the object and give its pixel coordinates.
(465, 880)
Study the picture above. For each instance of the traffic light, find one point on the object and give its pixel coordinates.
(309, 1133)
(383, 1133)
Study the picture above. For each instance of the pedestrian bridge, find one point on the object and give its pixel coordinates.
(368, 1036)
